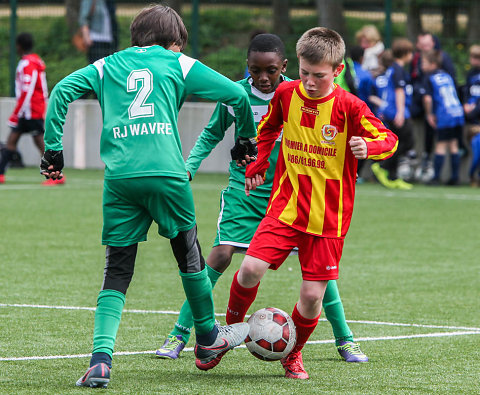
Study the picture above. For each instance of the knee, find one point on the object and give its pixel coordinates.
(119, 267)
(310, 297)
(220, 258)
(251, 272)
(187, 251)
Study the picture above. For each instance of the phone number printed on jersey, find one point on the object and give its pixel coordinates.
(310, 162)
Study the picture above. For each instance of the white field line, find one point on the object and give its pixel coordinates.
(82, 184)
(401, 337)
(171, 312)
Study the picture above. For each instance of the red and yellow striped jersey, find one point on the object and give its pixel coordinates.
(314, 185)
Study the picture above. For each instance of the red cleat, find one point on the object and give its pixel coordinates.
(2, 178)
(51, 182)
(293, 365)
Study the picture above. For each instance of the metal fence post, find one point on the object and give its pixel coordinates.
(13, 49)
(388, 23)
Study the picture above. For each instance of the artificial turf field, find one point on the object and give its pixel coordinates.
(409, 281)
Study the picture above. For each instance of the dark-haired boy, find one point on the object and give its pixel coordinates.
(240, 215)
(141, 90)
(325, 131)
(31, 92)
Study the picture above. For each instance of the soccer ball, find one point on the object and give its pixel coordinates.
(272, 334)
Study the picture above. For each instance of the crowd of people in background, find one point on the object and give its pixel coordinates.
(413, 89)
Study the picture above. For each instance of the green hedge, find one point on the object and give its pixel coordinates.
(223, 38)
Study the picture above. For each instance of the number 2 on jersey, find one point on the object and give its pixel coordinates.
(141, 81)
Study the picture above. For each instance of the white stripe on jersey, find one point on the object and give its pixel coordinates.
(258, 111)
(99, 66)
(186, 64)
(26, 110)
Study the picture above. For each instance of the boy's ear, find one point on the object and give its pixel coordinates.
(284, 66)
(338, 70)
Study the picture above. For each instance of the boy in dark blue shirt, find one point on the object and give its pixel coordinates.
(471, 106)
(396, 93)
(444, 113)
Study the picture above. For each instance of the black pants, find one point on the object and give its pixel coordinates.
(405, 144)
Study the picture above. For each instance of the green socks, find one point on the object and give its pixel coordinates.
(332, 304)
(198, 290)
(107, 319)
(184, 323)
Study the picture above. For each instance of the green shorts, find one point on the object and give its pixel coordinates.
(239, 217)
(130, 205)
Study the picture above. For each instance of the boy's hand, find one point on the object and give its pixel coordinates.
(358, 147)
(51, 164)
(468, 107)
(432, 120)
(244, 151)
(399, 120)
(253, 183)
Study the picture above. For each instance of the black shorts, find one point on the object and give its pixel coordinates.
(446, 134)
(33, 126)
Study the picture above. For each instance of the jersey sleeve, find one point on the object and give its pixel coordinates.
(427, 88)
(211, 135)
(26, 87)
(268, 131)
(65, 92)
(398, 78)
(204, 82)
(381, 142)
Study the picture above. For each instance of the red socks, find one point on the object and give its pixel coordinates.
(240, 301)
(305, 327)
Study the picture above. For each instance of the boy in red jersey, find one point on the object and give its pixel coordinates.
(28, 115)
(325, 131)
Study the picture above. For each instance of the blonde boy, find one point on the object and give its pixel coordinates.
(325, 131)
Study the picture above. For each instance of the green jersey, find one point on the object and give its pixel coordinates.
(222, 118)
(141, 90)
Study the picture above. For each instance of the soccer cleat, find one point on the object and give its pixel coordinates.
(402, 185)
(51, 182)
(382, 176)
(97, 376)
(350, 351)
(171, 348)
(293, 365)
(2, 178)
(229, 336)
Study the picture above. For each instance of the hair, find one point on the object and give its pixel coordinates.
(158, 24)
(267, 43)
(356, 53)
(321, 44)
(474, 51)
(401, 47)
(386, 58)
(433, 57)
(370, 32)
(25, 41)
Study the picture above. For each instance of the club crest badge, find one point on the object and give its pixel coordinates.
(329, 132)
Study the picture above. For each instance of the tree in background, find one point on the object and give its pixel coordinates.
(71, 13)
(281, 17)
(473, 26)
(176, 5)
(449, 10)
(413, 9)
(330, 14)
